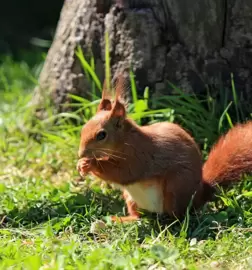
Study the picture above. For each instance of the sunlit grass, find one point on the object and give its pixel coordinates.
(46, 214)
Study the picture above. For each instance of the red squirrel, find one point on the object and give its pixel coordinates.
(158, 167)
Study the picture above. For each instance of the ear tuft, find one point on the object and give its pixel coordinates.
(121, 87)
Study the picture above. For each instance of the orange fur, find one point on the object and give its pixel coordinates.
(159, 167)
(124, 219)
(230, 157)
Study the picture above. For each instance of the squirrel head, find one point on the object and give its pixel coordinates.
(104, 132)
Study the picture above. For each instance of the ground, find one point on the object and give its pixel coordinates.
(47, 213)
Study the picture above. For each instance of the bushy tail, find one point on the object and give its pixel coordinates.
(231, 157)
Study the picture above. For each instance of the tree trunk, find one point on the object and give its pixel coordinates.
(191, 43)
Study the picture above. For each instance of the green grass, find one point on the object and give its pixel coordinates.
(46, 213)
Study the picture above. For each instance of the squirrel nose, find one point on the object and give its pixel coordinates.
(83, 152)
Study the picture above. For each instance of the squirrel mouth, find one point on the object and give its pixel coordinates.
(97, 155)
(101, 157)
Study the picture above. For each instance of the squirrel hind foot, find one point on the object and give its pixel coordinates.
(126, 219)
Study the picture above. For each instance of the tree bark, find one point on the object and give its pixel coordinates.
(192, 43)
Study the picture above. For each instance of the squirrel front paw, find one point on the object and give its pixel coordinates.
(84, 166)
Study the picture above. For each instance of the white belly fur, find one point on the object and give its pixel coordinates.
(146, 197)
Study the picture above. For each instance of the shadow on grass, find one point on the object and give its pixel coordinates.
(79, 210)
(89, 205)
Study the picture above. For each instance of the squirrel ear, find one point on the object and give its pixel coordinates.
(118, 110)
(118, 113)
(105, 103)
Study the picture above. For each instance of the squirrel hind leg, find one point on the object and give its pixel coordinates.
(134, 215)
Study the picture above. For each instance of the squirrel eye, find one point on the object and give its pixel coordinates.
(101, 135)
